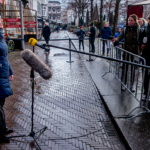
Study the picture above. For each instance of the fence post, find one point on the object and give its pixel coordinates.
(89, 52)
(70, 52)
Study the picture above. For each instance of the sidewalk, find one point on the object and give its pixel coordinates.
(68, 104)
(136, 132)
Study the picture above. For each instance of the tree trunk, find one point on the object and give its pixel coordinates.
(91, 9)
(116, 16)
(101, 15)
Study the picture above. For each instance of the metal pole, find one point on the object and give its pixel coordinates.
(36, 26)
(22, 27)
(4, 17)
(70, 52)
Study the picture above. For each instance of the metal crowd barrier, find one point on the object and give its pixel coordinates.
(117, 57)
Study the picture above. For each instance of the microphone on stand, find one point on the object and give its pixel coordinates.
(33, 42)
(36, 64)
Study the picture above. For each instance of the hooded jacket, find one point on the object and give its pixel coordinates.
(5, 70)
(117, 33)
(106, 32)
(82, 34)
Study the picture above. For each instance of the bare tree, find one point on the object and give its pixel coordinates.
(78, 6)
(101, 15)
(116, 16)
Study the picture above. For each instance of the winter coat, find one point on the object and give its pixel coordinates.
(143, 26)
(146, 52)
(93, 32)
(5, 70)
(106, 32)
(132, 43)
(46, 32)
(117, 34)
(82, 34)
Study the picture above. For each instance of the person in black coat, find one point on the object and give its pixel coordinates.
(92, 37)
(106, 32)
(46, 33)
(146, 54)
(81, 34)
(6, 75)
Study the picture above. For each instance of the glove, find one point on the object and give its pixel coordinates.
(143, 47)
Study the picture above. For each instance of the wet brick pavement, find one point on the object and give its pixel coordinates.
(68, 104)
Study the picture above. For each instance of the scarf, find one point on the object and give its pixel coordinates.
(1, 33)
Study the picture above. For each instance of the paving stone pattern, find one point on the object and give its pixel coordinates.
(68, 104)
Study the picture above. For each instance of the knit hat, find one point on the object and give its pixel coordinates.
(120, 27)
(91, 24)
(81, 27)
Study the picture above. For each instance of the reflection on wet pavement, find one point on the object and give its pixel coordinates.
(68, 104)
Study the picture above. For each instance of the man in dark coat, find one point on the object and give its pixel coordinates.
(146, 54)
(133, 35)
(46, 33)
(81, 34)
(106, 32)
(92, 37)
(6, 74)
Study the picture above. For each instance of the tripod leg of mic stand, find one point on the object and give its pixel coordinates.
(42, 130)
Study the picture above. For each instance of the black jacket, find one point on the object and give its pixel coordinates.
(93, 31)
(46, 32)
(146, 52)
(82, 34)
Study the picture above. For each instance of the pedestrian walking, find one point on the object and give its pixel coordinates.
(6, 75)
(57, 28)
(133, 35)
(146, 54)
(46, 33)
(92, 37)
(106, 32)
(81, 34)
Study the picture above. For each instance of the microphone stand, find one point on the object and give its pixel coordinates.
(32, 133)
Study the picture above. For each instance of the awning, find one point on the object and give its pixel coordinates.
(144, 2)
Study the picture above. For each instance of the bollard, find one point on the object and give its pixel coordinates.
(69, 52)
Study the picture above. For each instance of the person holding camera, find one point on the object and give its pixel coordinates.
(92, 37)
(6, 75)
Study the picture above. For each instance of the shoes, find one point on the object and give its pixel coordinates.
(144, 97)
(8, 131)
(4, 139)
(123, 88)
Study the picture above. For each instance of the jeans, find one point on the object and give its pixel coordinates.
(81, 41)
(125, 73)
(47, 40)
(2, 117)
(92, 40)
(108, 46)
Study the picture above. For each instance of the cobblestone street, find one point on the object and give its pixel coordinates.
(68, 104)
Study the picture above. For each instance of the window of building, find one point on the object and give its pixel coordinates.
(58, 17)
(44, 11)
(49, 8)
(49, 16)
(54, 16)
(58, 9)
(54, 9)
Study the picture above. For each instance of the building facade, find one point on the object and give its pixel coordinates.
(44, 5)
(54, 11)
